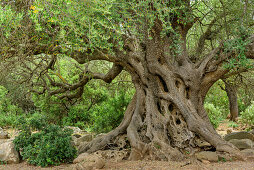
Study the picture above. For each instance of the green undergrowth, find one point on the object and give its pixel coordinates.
(43, 144)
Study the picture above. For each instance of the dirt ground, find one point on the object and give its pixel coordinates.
(146, 165)
(154, 165)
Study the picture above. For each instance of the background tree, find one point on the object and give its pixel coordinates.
(231, 90)
(173, 50)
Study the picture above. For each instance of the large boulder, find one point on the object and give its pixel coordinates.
(88, 161)
(239, 135)
(242, 143)
(3, 134)
(207, 155)
(8, 153)
(82, 139)
(248, 152)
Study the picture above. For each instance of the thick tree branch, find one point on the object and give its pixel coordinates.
(83, 57)
(111, 75)
(65, 88)
(206, 35)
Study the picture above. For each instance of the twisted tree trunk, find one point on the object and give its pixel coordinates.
(166, 115)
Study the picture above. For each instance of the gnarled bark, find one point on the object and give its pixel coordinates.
(166, 115)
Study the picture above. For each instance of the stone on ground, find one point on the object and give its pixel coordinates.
(239, 135)
(248, 152)
(242, 143)
(89, 161)
(8, 153)
(84, 138)
(3, 134)
(207, 155)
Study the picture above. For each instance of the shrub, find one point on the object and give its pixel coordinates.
(218, 98)
(50, 145)
(8, 111)
(77, 116)
(50, 106)
(247, 116)
(214, 114)
(109, 114)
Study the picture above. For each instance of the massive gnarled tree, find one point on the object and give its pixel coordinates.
(174, 51)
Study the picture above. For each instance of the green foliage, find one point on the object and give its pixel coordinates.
(99, 21)
(98, 111)
(50, 106)
(214, 114)
(9, 20)
(109, 114)
(8, 111)
(77, 116)
(238, 47)
(50, 145)
(247, 116)
(232, 124)
(218, 98)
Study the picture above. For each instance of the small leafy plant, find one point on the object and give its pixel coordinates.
(49, 145)
(233, 124)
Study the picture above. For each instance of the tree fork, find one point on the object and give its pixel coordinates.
(162, 123)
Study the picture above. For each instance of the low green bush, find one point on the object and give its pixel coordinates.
(50, 145)
(214, 114)
(247, 116)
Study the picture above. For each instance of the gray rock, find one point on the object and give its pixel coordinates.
(4, 140)
(81, 167)
(207, 155)
(73, 141)
(3, 134)
(84, 138)
(8, 154)
(86, 161)
(100, 163)
(252, 131)
(242, 143)
(76, 130)
(224, 157)
(239, 135)
(248, 152)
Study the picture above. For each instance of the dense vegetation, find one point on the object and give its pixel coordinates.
(50, 145)
(100, 110)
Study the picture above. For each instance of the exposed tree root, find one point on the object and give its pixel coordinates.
(160, 129)
(101, 141)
